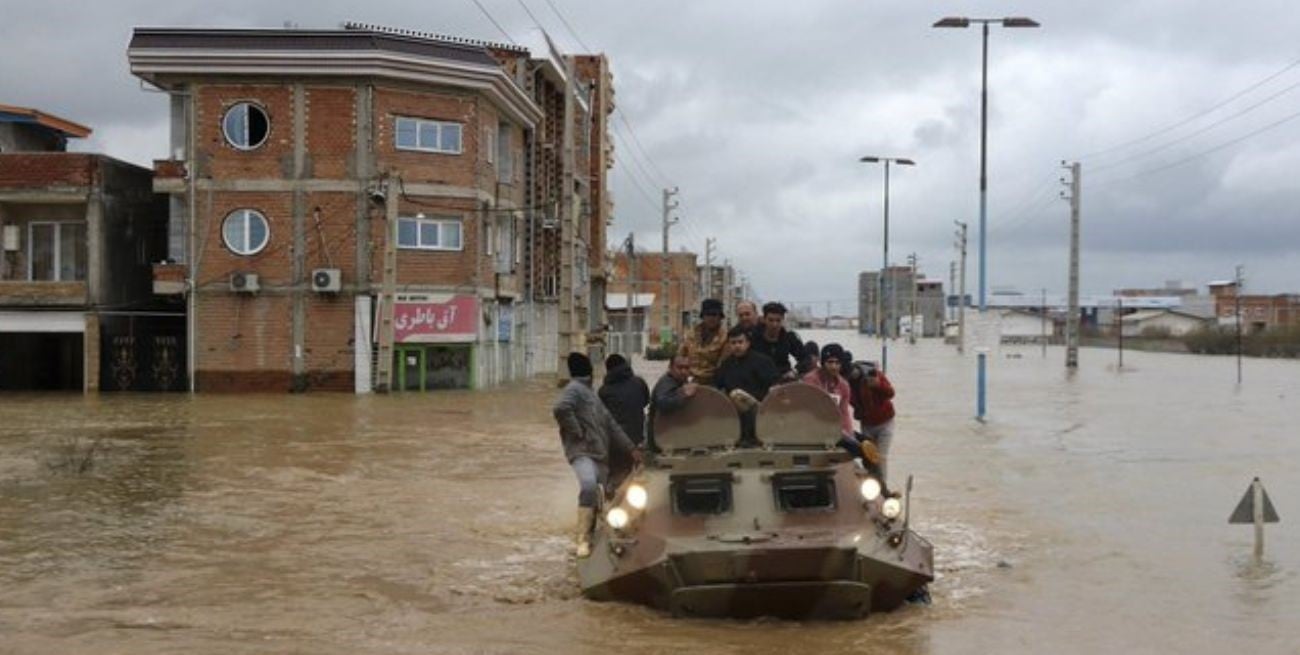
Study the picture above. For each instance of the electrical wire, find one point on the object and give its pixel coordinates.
(1170, 128)
(488, 15)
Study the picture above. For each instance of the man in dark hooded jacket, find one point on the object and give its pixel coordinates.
(625, 395)
(591, 439)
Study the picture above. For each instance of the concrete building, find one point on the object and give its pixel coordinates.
(1160, 323)
(629, 322)
(1259, 312)
(899, 281)
(339, 195)
(679, 307)
(79, 232)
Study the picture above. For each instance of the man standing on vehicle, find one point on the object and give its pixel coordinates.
(705, 344)
(589, 434)
(779, 344)
(873, 406)
(747, 314)
(745, 376)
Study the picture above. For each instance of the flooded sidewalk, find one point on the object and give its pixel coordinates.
(1089, 514)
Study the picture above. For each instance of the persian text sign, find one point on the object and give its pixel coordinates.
(439, 319)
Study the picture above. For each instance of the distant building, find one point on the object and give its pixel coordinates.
(1259, 312)
(30, 130)
(897, 303)
(629, 323)
(679, 306)
(1160, 322)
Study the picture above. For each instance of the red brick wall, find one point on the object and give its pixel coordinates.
(331, 131)
(30, 169)
(427, 167)
(216, 262)
(273, 159)
(328, 350)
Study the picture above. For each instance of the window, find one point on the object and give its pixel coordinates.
(427, 136)
(245, 126)
(701, 494)
(505, 165)
(56, 252)
(245, 231)
(804, 491)
(420, 233)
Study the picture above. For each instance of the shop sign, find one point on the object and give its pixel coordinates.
(435, 318)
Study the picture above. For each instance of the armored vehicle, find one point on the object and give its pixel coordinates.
(792, 527)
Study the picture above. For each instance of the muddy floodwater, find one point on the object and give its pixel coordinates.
(1088, 515)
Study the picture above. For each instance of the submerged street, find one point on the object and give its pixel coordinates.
(1089, 513)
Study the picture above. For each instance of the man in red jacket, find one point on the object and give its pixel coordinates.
(873, 406)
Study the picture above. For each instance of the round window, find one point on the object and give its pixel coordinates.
(245, 126)
(245, 231)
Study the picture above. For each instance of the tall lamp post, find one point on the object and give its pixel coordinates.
(1014, 21)
(884, 271)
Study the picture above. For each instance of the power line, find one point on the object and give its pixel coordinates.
(1189, 119)
(631, 132)
(1203, 153)
(567, 26)
(493, 21)
(1203, 130)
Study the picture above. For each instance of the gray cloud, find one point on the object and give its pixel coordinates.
(759, 111)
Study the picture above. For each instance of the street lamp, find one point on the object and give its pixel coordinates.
(1013, 21)
(880, 317)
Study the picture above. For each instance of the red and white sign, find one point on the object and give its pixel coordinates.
(435, 318)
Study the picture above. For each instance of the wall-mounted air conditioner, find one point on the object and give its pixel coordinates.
(326, 280)
(244, 282)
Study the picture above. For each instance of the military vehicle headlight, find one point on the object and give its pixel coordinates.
(617, 518)
(870, 489)
(891, 508)
(637, 496)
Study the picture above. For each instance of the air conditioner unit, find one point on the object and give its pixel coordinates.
(244, 282)
(326, 280)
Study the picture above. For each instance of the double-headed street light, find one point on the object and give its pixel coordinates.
(1013, 21)
(881, 322)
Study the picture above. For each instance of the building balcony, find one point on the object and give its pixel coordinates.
(169, 176)
(24, 293)
(169, 279)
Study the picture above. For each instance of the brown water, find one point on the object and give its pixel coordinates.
(1089, 514)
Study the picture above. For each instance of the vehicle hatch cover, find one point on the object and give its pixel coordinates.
(798, 415)
(708, 420)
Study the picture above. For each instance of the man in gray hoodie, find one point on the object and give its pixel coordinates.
(588, 432)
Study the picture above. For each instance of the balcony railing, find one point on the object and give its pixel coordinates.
(169, 279)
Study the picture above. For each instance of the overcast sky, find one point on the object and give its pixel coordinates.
(759, 111)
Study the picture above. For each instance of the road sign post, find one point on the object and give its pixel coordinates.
(1255, 507)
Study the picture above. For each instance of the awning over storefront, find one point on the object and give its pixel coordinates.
(43, 322)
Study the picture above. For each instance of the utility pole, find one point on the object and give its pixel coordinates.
(631, 296)
(1239, 281)
(1042, 309)
(708, 270)
(666, 329)
(911, 332)
(1119, 323)
(388, 295)
(1072, 315)
(961, 290)
(952, 288)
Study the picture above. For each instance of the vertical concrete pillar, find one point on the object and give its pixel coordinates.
(298, 278)
(90, 354)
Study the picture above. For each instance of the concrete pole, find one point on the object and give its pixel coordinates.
(1257, 491)
(961, 292)
(567, 314)
(911, 321)
(388, 295)
(1042, 317)
(981, 358)
(1072, 317)
(668, 206)
(1240, 281)
(631, 296)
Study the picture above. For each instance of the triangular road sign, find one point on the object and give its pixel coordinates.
(1245, 512)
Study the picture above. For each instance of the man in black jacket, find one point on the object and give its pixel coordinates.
(745, 377)
(625, 395)
(671, 393)
(779, 344)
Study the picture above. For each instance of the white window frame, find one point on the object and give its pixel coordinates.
(505, 164)
(419, 124)
(58, 250)
(244, 212)
(440, 222)
(225, 115)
